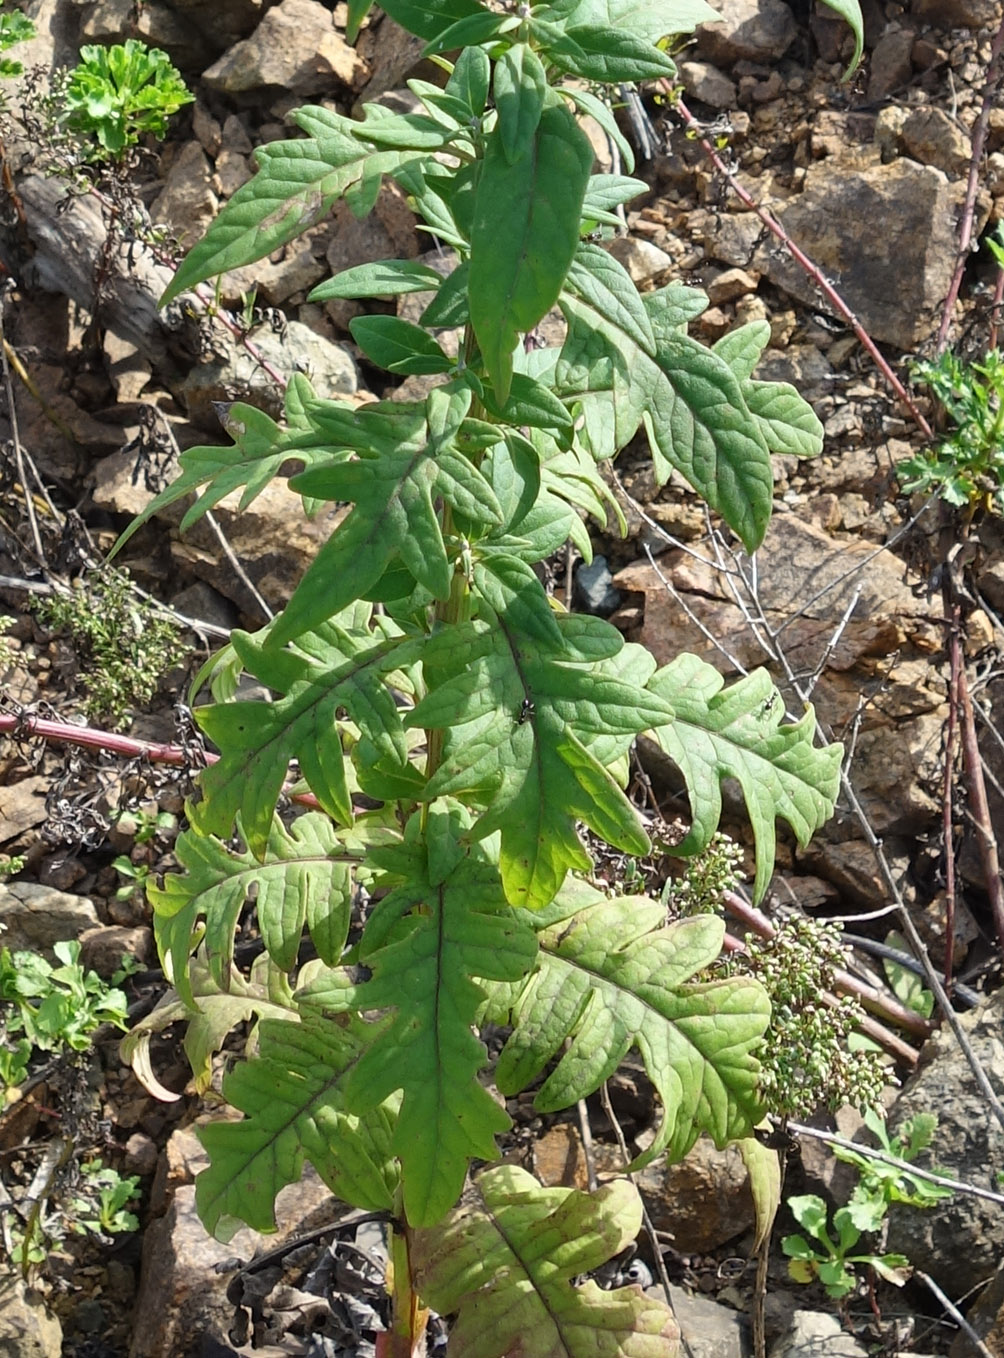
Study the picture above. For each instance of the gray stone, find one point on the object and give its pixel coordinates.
(241, 377)
(960, 1240)
(205, 604)
(294, 49)
(750, 30)
(35, 917)
(27, 1328)
(986, 1316)
(817, 1334)
(187, 203)
(594, 588)
(707, 1328)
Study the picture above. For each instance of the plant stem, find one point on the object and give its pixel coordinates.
(803, 260)
(972, 186)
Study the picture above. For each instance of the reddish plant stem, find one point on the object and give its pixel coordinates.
(803, 260)
(125, 747)
(947, 817)
(871, 998)
(986, 840)
(972, 187)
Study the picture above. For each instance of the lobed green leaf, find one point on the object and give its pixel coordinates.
(737, 732)
(292, 1095)
(425, 943)
(506, 1264)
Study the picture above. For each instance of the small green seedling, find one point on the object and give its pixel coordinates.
(15, 28)
(906, 985)
(11, 865)
(967, 468)
(830, 1260)
(51, 1007)
(117, 94)
(136, 874)
(882, 1183)
(100, 1206)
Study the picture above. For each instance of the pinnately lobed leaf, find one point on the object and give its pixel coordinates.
(610, 978)
(738, 733)
(506, 1261)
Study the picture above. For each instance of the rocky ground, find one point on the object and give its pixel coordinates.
(868, 175)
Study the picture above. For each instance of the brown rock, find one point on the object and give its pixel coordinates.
(183, 1284)
(852, 866)
(707, 83)
(103, 948)
(239, 376)
(295, 49)
(894, 280)
(112, 21)
(22, 807)
(704, 1200)
(750, 30)
(959, 13)
(932, 137)
(644, 261)
(729, 285)
(891, 63)
(27, 1328)
(187, 202)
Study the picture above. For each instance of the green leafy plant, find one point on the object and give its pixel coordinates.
(99, 1207)
(457, 728)
(906, 985)
(136, 876)
(828, 1259)
(117, 94)
(967, 468)
(123, 648)
(95, 1204)
(51, 1007)
(880, 1185)
(15, 28)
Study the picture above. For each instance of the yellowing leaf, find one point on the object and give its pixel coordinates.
(505, 1263)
